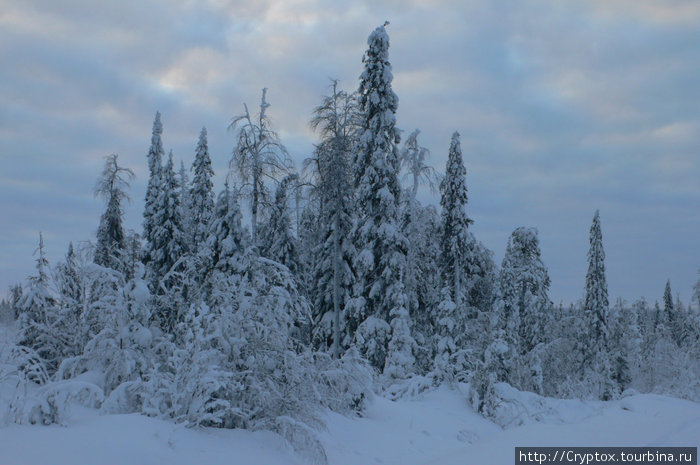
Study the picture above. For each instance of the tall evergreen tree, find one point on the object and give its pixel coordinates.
(168, 247)
(201, 191)
(381, 261)
(112, 185)
(454, 243)
(596, 309)
(153, 190)
(596, 301)
(455, 247)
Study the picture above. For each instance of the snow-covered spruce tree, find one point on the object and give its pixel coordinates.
(155, 167)
(119, 343)
(39, 314)
(226, 239)
(259, 154)
(201, 191)
(421, 225)
(112, 186)
(525, 306)
(168, 252)
(672, 317)
(72, 303)
(378, 308)
(309, 237)
(423, 284)
(596, 308)
(669, 311)
(276, 240)
(455, 245)
(336, 119)
(625, 344)
(183, 183)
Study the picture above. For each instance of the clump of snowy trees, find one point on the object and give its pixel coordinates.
(342, 284)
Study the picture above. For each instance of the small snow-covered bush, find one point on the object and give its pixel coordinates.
(411, 387)
(509, 407)
(128, 397)
(28, 396)
(301, 438)
(52, 402)
(345, 384)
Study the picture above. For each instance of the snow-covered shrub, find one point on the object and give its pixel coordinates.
(27, 395)
(113, 353)
(302, 438)
(510, 407)
(52, 402)
(411, 387)
(371, 339)
(122, 349)
(128, 397)
(494, 368)
(27, 364)
(238, 366)
(345, 384)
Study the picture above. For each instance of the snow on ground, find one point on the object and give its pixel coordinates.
(437, 427)
(91, 438)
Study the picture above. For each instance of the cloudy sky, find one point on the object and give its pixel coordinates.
(563, 108)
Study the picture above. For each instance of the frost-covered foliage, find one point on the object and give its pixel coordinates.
(664, 366)
(28, 396)
(259, 155)
(122, 350)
